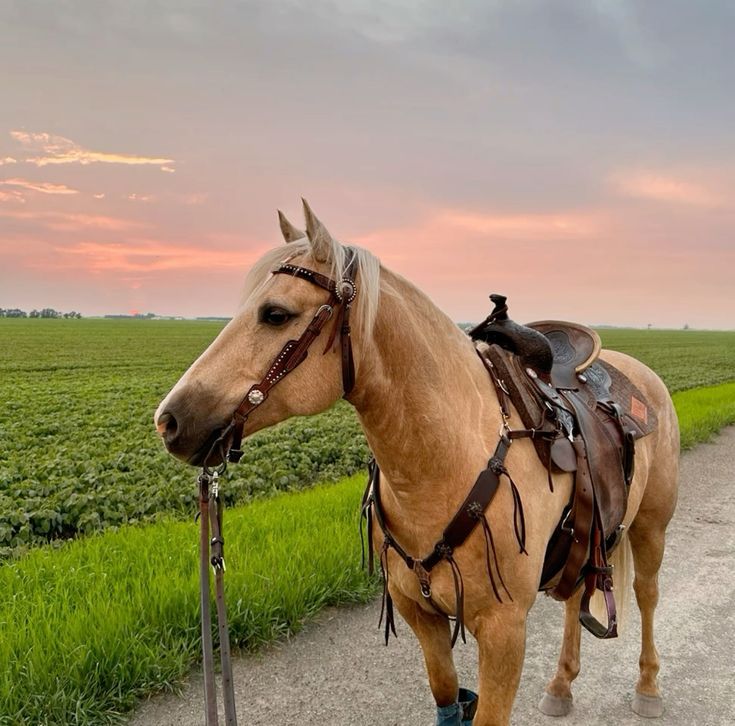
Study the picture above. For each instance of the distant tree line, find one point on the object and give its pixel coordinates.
(45, 313)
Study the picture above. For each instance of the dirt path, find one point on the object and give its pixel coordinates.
(338, 672)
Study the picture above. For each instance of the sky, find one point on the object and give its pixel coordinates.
(575, 155)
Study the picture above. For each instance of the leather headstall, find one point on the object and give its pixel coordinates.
(342, 294)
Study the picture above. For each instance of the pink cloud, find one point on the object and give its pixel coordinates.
(12, 196)
(663, 187)
(147, 256)
(71, 221)
(53, 149)
(522, 226)
(43, 187)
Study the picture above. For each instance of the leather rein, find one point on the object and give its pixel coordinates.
(228, 444)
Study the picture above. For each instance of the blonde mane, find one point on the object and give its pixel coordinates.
(367, 279)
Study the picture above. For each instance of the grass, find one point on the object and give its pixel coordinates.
(703, 412)
(88, 629)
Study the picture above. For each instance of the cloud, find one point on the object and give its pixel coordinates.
(522, 226)
(43, 187)
(140, 197)
(147, 256)
(54, 149)
(69, 222)
(195, 198)
(8, 160)
(12, 196)
(662, 187)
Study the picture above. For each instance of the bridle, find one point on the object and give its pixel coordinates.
(342, 294)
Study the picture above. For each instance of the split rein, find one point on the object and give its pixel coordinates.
(227, 447)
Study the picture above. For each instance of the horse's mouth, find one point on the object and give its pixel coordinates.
(210, 454)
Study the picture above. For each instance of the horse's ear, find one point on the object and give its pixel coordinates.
(318, 234)
(290, 233)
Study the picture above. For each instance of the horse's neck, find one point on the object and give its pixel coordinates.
(423, 397)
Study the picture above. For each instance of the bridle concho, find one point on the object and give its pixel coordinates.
(341, 296)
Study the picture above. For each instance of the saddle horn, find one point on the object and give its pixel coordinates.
(532, 347)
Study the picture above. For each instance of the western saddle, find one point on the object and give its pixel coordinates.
(587, 416)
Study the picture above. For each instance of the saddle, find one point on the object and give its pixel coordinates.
(586, 416)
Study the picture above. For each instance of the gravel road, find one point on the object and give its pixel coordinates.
(338, 672)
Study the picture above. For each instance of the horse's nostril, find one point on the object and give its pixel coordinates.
(167, 425)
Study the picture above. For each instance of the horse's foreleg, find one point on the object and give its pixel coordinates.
(432, 632)
(501, 638)
(648, 549)
(557, 701)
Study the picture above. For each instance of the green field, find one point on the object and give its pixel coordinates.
(79, 452)
(118, 610)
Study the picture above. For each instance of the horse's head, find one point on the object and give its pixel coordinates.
(276, 308)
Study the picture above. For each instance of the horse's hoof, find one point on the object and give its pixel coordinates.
(648, 706)
(554, 705)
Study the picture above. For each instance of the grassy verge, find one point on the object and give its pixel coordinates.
(704, 411)
(88, 629)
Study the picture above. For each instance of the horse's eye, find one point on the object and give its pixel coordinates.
(275, 316)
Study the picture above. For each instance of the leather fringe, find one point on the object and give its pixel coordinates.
(490, 547)
(459, 600)
(386, 606)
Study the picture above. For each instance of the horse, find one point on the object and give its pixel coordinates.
(431, 417)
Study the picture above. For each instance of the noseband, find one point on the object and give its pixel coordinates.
(342, 294)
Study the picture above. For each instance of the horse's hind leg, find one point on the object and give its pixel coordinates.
(557, 701)
(648, 549)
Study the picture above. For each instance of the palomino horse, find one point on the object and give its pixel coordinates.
(431, 416)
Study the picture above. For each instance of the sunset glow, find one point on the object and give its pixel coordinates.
(142, 169)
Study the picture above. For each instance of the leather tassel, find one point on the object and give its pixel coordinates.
(386, 607)
(519, 519)
(490, 546)
(459, 599)
(548, 473)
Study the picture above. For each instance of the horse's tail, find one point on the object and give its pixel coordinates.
(622, 562)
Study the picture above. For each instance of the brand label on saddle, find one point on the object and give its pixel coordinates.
(639, 409)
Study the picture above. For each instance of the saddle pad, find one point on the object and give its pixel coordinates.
(604, 382)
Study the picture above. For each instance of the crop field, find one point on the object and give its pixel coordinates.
(79, 452)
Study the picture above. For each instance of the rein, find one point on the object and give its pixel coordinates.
(342, 294)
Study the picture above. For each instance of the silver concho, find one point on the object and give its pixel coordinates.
(345, 290)
(531, 373)
(256, 396)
